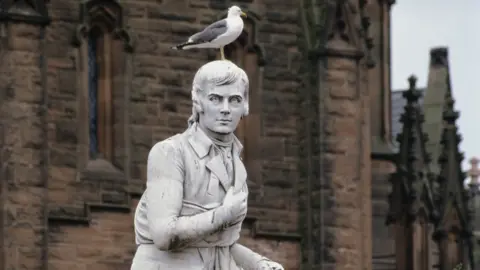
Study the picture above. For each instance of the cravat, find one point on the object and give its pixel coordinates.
(227, 160)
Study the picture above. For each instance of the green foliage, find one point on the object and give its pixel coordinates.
(458, 267)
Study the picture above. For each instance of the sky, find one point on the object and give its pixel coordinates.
(418, 26)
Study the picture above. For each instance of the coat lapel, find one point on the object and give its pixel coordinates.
(217, 167)
(239, 168)
(240, 173)
(203, 147)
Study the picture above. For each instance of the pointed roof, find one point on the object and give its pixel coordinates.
(446, 178)
(411, 194)
(435, 99)
(433, 102)
(452, 199)
(451, 195)
(398, 106)
(441, 117)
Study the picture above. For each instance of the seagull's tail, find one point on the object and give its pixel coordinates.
(184, 46)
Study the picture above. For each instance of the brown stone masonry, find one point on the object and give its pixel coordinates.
(23, 120)
(341, 195)
(307, 141)
(90, 197)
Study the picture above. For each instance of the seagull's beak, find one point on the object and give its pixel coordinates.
(243, 14)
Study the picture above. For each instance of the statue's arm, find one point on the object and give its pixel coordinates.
(245, 257)
(164, 196)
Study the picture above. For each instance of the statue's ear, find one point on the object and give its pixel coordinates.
(246, 109)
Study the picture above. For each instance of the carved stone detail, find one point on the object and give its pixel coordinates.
(106, 13)
(453, 200)
(109, 169)
(411, 192)
(451, 192)
(341, 25)
(412, 209)
(439, 57)
(474, 171)
(347, 31)
(26, 11)
(364, 33)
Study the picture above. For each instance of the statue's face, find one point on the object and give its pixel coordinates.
(223, 107)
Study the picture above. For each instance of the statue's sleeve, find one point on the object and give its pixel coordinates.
(245, 257)
(164, 196)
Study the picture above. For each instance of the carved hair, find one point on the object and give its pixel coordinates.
(216, 73)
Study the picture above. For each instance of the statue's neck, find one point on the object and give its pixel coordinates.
(217, 138)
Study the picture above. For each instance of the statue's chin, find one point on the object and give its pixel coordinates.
(223, 132)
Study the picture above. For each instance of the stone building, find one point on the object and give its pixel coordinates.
(89, 86)
(431, 209)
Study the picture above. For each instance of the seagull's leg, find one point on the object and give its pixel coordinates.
(222, 53)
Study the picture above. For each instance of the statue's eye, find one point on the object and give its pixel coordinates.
(235, 100)
(214, 98)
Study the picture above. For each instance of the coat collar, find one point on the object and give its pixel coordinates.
(202, 144)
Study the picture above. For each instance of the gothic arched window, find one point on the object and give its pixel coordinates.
(100, 112)
(103, 72)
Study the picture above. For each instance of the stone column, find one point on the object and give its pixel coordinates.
(337, 189)
(474, 204)
(23, 119)
(474, 171)
(379, 87)
(3, 150)
(379, 80)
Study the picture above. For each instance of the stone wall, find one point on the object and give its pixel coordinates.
(89, 203)
(379, 83)
(23, 149)
(313, 149)
(336, 179)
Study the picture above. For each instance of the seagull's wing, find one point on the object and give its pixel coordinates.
(210, 33)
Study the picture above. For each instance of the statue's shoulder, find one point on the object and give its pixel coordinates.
(174, 143)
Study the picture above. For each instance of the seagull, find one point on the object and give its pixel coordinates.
(218, 34)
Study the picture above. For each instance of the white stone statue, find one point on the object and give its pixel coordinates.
(191, 212)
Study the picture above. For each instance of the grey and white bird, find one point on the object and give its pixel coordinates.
(218, 34)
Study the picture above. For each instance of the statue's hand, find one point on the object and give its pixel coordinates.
(269, 265)
(235, 205)
(242, 207)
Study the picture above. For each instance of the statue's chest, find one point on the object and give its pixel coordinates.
(204, 186)
(207, 179)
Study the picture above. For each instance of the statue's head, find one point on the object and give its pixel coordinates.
(220, 96)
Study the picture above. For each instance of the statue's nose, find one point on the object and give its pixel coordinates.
(226, 107)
